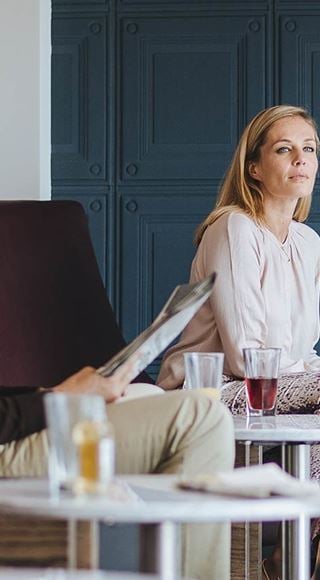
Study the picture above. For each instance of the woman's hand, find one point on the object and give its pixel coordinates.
(89, 382)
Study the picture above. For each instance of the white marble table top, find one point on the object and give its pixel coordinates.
(278, 429)
(160, 501)
(59, 574)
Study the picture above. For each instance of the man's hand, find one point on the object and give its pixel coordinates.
(89, 382)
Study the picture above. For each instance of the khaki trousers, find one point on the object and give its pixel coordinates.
(179, 432)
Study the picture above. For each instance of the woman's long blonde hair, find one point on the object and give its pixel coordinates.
(239, 190)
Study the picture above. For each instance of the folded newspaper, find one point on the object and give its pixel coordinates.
(254, 481)
(183, 303)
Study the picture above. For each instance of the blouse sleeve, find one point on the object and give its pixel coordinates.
(233, 250)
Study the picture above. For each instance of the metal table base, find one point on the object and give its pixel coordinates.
(295, 434)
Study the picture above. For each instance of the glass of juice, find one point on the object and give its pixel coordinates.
(81, 452)
(261, 378)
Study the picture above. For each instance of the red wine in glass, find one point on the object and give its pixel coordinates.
(261, 393)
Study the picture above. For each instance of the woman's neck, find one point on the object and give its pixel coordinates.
(278, 225)
(278, 222)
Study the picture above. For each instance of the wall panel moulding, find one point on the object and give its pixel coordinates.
(230, 4)
(297, 5)
(81, 5)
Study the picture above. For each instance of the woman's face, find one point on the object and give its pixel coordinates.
(288, 161)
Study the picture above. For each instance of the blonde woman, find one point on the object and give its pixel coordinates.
(268, 266)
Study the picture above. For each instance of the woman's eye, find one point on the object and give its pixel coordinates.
(283, 149)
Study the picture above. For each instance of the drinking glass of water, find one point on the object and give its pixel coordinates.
(203, 370)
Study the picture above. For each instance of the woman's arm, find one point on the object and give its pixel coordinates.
(251, 302)
(234, 250)
(234, 315)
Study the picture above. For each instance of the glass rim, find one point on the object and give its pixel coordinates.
(195, 352)
(262, 349)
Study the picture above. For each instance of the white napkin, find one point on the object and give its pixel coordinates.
(254, 481)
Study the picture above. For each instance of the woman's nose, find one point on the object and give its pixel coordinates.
(299, 159)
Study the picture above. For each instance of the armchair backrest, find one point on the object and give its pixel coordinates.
(55, 316)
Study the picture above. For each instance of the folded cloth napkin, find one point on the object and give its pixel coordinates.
(254, 481)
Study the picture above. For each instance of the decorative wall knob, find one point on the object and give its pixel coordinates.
(95, 168)
(131, 169)
(131, 206)
(95, 28)
(132, 28)
(290, 25)
(95, 205)
(254, 26)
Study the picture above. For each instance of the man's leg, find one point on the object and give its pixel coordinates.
(183, 432)
(27, 457)
(179, 432)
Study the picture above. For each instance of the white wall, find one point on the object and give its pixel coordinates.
(25, 99)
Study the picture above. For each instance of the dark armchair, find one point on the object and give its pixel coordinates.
(55, 318)
(54, 312)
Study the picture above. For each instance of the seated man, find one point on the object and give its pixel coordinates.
(183, 432)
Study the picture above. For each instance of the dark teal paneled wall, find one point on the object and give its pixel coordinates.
(148, 100)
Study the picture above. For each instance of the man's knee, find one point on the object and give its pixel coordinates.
(207, 424)
(218, 423)
(210, 410)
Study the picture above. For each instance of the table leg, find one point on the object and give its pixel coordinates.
(159, 550)
(284, 524)
(248, 535)
(297, 460)
(72, 544)
(297, 534)
(167, 551)
(94, 545)
(301, 542)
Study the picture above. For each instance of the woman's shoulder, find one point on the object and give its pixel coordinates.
(234, 220)
(306, 232)
(232, 227)
(233, 233)
(241, 220)
(237, 225)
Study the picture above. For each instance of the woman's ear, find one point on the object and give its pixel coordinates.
(253, 170)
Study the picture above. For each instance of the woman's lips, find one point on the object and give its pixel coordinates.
(299, 177)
